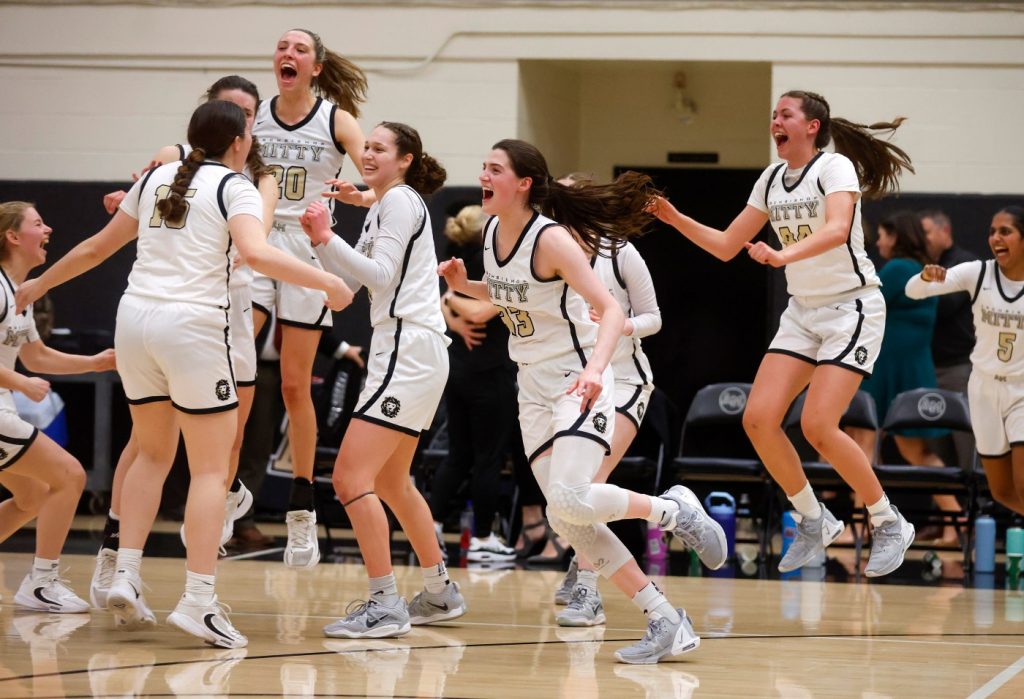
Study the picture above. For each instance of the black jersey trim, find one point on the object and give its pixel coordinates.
(240, 384)
(145, 181)
(533, 256)
(632, 399)
(220, 195)
(7, 299)
(22, 441)
(981, 279)
(629, 416)
(849, 247)
(999, 285)
(616, 270)
(305, 120)
(27, 442)
(639, 369)
(995, 456)
(147, 399)
(392, 362)
(261, 308)
(306, 326)
(334, 137)
(856, 333)
(385, 423)
(563, 306)
(807, 168)
(205, 411)
(227, 346)
(515, 248)
(408, 249)
(836, 362)
(820, 188)
(768, 186)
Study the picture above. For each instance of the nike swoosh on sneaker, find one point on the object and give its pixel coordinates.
(208, 620)
(442, 607)
(829, 531)
(370, 623)
(38, 592)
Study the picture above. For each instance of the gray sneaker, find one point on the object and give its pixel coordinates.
(427, 607)
(584, 609)
(695, 528)
(564, 593)
(888, 544)
(663, 638)
(371, 619)
(812, 536)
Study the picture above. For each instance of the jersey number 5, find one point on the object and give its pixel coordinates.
(1006, 341)
(157, 219)
(517, 321)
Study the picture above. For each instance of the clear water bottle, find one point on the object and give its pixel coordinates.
(657, 550)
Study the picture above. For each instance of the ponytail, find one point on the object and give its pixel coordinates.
(425, 174)
(340, 80)
(173, 207)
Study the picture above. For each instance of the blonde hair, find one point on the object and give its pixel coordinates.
(12, 215)
(466, 226)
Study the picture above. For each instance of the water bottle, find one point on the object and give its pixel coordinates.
(984, 598)
(788, 530)
(657, 550)
(466, 526)
(931, 566)
(722, 508)
(985, 544)
(1014, 553)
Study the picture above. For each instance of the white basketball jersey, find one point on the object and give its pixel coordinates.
(242, 275)
(301, 157)
(797, 210)
(998, 305)
(414, 293)
(545, 318)
(628, 359)
(190, 261)
(16, 329)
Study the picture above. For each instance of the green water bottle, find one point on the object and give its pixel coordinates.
(1014, 554)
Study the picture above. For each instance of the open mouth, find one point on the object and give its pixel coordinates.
(780, 138)
(487, 194)
(288, 72)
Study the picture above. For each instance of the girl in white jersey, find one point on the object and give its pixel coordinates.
(996, 386)
(628, 280)
(304, 133)
(45, 480)
(173, 341)
(244, 93)
(541, 280)
(830, 334)
(408, 368)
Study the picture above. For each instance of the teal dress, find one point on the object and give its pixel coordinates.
(905, 360)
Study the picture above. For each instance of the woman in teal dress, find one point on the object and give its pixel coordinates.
(905, 360)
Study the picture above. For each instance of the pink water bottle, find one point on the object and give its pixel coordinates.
(656, 548)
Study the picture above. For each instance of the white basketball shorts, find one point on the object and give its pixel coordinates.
(406, 376)
(175, 351)
(296, 305)
(848, 333)
(243, 339)
(997, 412)
(16, 436)
(547, 412)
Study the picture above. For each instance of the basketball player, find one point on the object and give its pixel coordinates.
(997, 375)
(304, 133)
(44, 479)
(540, 278)
(408, 368)
(173, 338)
(244, 93)
(624, 273)
(830, 334)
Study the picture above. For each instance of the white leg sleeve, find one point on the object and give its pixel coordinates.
(570, 494)
(596, 542)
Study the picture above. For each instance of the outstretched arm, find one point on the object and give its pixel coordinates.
(722, 244)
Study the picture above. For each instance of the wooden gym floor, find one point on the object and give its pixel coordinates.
(800, 637)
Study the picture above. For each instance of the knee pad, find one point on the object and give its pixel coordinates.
(581, 536)
(570, 504)
(596, 543)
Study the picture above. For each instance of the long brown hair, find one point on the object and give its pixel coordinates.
(906, 228)
(601, 215)
(12, 215)
(425, 174)
(878, 162)
(340, 80)
(254, 161)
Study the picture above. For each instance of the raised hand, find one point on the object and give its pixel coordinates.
(765, 254)
(933, 273)
(345, 192)
(454, 273)
(316, 223)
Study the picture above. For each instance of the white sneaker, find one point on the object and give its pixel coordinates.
(127, 603)
(207, 676)
(303, 549)
(490, 549)
(235, 506)
(207, 621)
(120, 674)
(46, 629)
(49, 594)
(102, 577)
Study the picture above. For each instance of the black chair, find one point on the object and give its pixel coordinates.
(933, 408)
(860, 414)
(714, 451)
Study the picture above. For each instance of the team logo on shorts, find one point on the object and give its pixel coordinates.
(861, 355)
(223, 389)
(390, 406)
(3, 454)
(640, 408)
(600, 422)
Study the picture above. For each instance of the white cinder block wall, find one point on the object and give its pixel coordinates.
(92, 90)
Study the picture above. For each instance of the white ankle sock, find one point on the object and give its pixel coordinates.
(806, 502)
(435, 578)
(663, 512)
(44, 567)
(129, 560)
(881, 512)
(199, 587)
(654, 604)
(384, 586)
(587, 578)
